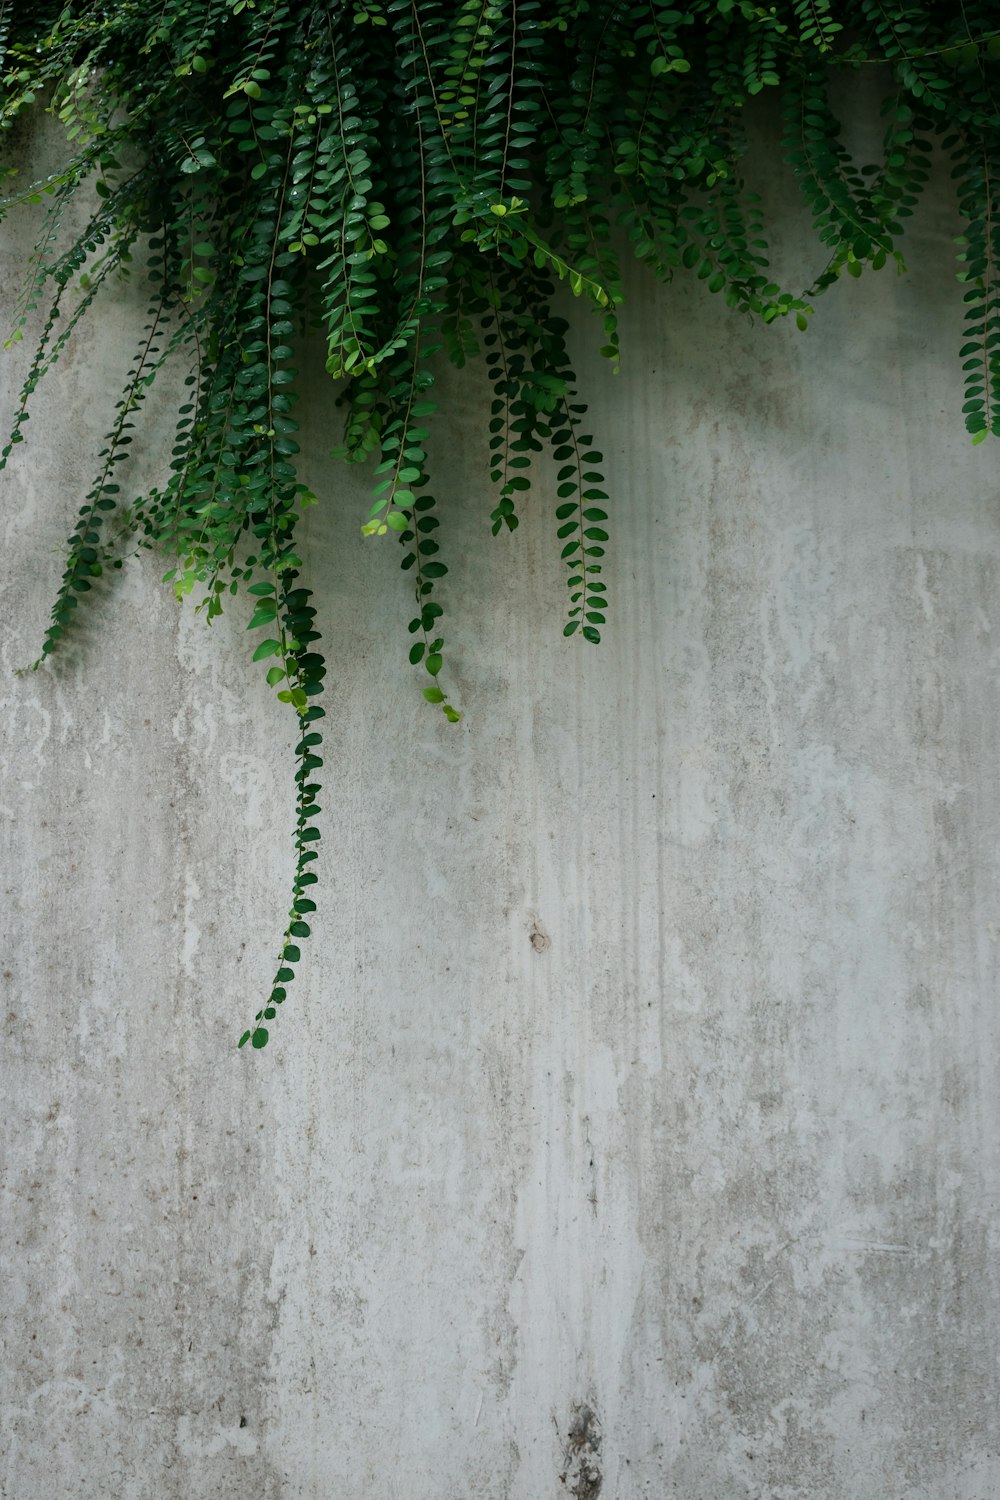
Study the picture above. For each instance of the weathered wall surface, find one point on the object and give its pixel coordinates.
(645, 1060)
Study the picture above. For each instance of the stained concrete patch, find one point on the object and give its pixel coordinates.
(582, 1473)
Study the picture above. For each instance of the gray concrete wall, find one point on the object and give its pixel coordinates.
(645, 1060)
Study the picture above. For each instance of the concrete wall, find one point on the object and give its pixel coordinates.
(645, 1060)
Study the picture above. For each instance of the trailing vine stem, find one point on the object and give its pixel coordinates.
(411, 179)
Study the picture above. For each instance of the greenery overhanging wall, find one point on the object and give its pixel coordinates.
(412, 176)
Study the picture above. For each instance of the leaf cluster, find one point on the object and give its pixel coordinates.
(411, 180)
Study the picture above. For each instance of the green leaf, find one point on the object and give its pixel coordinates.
(265, 649)
(263, 615)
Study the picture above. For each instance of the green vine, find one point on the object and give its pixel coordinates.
(412, 178)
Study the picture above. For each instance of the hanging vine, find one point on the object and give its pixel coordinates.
(411, 177)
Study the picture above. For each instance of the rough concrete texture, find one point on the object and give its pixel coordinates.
(633, 1130)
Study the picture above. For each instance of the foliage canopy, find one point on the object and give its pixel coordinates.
(412, 176)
